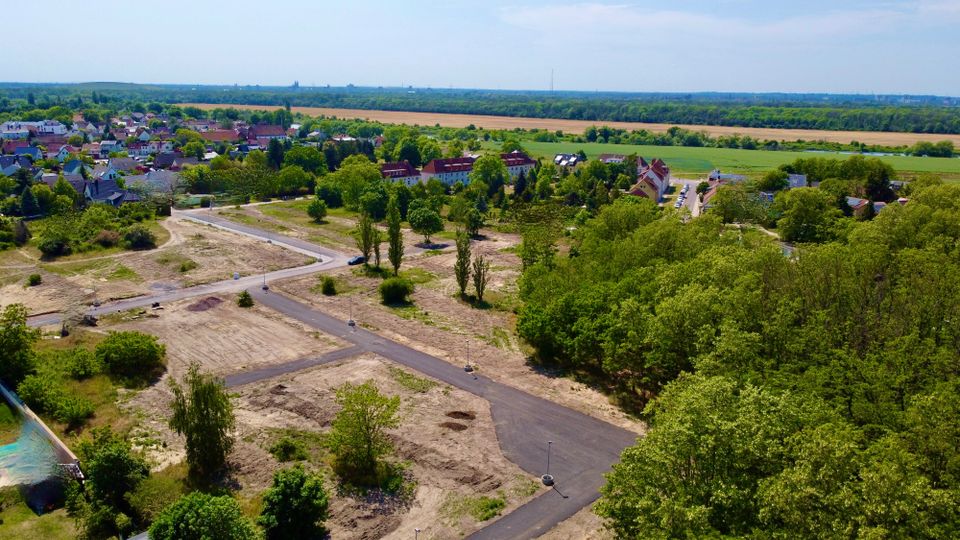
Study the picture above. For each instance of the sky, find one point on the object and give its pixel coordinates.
(832, 46)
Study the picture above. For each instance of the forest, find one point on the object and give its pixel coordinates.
(808, 394)
(915, 114)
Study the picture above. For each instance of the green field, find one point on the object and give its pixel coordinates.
(691, 160)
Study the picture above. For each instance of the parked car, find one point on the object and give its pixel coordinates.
(359, 259)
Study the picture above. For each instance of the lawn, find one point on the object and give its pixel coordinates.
(692, 160)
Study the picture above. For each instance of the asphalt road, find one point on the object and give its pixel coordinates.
(583, 447)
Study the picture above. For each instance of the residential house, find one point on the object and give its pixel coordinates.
(31, 152)
(10, 147)
(181, 162)
(124, 164)
(797, 181)
(341, 138)
(62, 153)
(401, 171)
(220, 135)
(517, 162)
(449, 171)
(566, 160)
(109, 146)
(106, 191)
(263, 133)
(51, 127)
(14, 131)
(147, 148)
(164, 160)
(9, 165)
(91, 149)
(74, 180)
(105, 172)
(157, 181)
(857, 204)
(653, 179)
(74, 166)
(717, 175)
(611, 158)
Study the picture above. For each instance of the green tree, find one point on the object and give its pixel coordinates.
(481, 275)
(358, 436)
(28, 203)
(111, 468)
(365, 235)
(199, 516)
(16, 345)
(295, 506)
(394, 235)
(138, 236)
(275, 154)
(491, 171)
(425, 221)
(317, 210)
(354, 177)
(806, 215)
(774, 180)
(244, 299)
(135, 356)
(306, 157)
(407, 150)
(461, 268)
(194, 149)
(293, 180)
(203, 414)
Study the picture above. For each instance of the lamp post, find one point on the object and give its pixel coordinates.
(547, 478)
(416, 534)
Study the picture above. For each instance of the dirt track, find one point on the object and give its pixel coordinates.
(578, 126)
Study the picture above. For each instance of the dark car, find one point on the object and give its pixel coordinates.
(359, 259)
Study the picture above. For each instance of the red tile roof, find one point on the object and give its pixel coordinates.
(400, 169)
(449, 165)
(267, 130)
(220, 135)
(516, 158)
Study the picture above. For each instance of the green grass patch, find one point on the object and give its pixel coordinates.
(433, 252)
(122, 272)
(9, 424)
(412, 313)
(481, 508)
(240, 216)
(310, 446)
(418, 276)
(684, 159)
(17, 520)
(412, 382)
(160, 490)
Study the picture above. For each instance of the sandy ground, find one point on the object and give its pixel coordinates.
(440, 324)
(209, 253)
(578, 126)
(445, 464)
(584, 525)
(224, 339)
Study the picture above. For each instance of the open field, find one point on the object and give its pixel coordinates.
(691, 160)
(578, 126)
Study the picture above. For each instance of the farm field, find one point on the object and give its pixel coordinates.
(577, 126)
(691, 160)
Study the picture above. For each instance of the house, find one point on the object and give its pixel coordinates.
(147, 148)
(341, 138)
(159, 181)
(401, 171)
(611, 158)
(857, 204)
(51, 127)
(107, 147)
(566, 160)
(106, 191)
(517, 162)
(9, 165)
(263, 133)
(75, 180)
(91, 149)
(124, 164)
(10, 147)
(181, 162)
(31, 152)
(74, 166)
(62, 153)
(796, 181)
(449, 171)
(653, 179)
(105, 172)
(878, 206)
(220, 135)
(717, 175)
(164, 160)
(14, 131)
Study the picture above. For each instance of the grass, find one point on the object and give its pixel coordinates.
(9, 424)
(412, 313)
(481, 508)
(242, 217)
(418, 276)
(17, 520)
(414, 383)
(311, 445)
(122, 272)
(692, 160)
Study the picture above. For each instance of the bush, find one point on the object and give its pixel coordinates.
(153, 494)
(34, 280)
(287, 449)
(73, 411)
(40, 392)
(135, 356)
(328, 286)
(244, 299)
(81, 363)
(54, 246)
(395, 290)
(139, 237)
(295, 506)
(200, 516)
(187, 265)
(317, 210)
(107, 238)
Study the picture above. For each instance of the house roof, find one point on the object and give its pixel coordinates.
(10, 146)
(516, 159)
(399, 169)
(267, 130)
(166, 159)
(124, 164)
(856, 203)
(449, 165)
(611, 158)
(9, 161)
(220, 135)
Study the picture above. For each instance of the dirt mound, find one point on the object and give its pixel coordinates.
(454, 426)
(462, 415)
(205, 304)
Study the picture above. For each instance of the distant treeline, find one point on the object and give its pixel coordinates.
(914, 114)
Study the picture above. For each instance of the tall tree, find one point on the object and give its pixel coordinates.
(394, 235)
(16, 344)
(481, 275)
(461, 268)
(199, 516)
(365, 235)
(275, 154)
(203, 414)
(28, 203)
(425, 221)
(377, 241)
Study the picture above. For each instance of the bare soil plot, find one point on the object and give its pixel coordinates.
(578, 126)
(224, 339)
(439, 323)
(584, 525)
(448, 466)
(193, 255)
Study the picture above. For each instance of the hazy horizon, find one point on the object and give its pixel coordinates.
(897, 47)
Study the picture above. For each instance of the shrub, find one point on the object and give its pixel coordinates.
(287, 449)
(317, 210)
(153, 494)
(135, 356)
(244, 299)
(34, 280)
(73, 411)
(295, 506)
(41, 392)
(328, 286)
(54, 246)
(395, 290)
(139, 237)
(199, 516)
(107, 238)
(187, 265)
(82, 363)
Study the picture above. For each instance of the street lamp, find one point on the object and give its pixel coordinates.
(547, 478)
(416, 534)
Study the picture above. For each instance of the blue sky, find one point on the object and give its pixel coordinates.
(895, 46)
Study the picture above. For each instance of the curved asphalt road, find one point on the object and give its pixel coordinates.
(583, 447)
